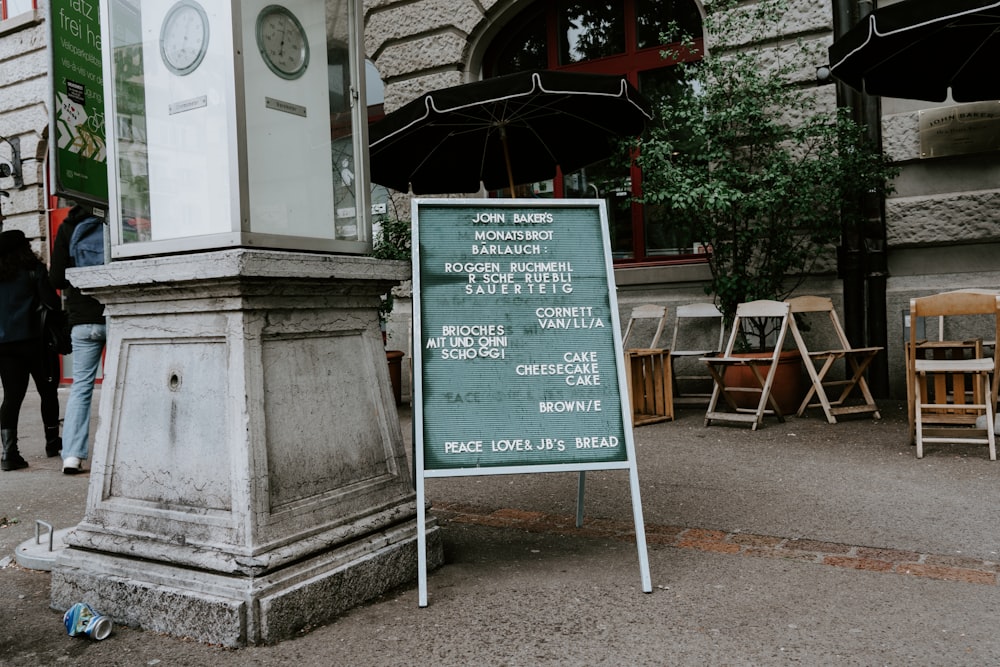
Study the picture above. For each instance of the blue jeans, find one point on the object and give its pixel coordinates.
(88, 344)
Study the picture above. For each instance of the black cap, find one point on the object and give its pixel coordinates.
(11, 240)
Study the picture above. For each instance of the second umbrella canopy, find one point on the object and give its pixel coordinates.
(921, 49)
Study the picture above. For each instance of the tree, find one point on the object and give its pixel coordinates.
(744, 157)
(392, 241)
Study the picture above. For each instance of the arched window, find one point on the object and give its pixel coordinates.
(608, 37)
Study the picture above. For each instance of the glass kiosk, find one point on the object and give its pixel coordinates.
(236, 124)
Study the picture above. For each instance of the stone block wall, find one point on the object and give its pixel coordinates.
(424, 45)
(24, 116)
(938, 201)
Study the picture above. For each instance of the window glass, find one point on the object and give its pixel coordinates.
(609, 181)
(590, 36)
(130, 121)
(381, 199)
(653, 18)
(15, 7)
(348, 203)
(590, 29)
(523, 48)
(374, 88)
(342, 144)
(665, 234)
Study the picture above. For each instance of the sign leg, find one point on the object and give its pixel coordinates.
(421, 544)
(640, 529)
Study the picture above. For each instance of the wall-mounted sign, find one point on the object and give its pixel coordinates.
(961, 129)
(79, 150)
(517, 344)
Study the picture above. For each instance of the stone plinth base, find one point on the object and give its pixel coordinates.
(236, 611)
(248, 477)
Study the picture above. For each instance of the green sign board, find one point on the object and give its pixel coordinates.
(517, 348)
(78, 107)
(516, 356)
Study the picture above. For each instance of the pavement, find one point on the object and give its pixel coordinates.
(801, 543)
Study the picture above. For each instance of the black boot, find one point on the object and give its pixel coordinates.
(53, 443)
(11, 457)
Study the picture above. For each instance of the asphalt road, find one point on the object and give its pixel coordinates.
(800, 543)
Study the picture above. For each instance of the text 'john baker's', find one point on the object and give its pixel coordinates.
(486, 218)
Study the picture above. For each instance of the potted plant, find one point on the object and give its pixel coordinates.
(391, 241)
(743, 156)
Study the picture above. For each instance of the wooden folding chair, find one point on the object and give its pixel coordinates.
(701, 326)
(647, 370)
(658, 314)
(944, 348)
(762, 368)
(951, 393)
(819, 363)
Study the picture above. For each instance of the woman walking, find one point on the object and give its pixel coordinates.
(24, 285)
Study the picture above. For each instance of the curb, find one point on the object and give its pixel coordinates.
(870, 559)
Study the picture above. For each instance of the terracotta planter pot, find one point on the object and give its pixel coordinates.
(395, 361)
(787, 388)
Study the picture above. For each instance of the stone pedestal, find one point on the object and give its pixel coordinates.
(248, 477)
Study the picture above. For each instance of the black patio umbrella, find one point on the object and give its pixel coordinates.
(918, 49)
(504, 131)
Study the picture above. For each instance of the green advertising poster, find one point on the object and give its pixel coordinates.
(518, 363)
(78, 106)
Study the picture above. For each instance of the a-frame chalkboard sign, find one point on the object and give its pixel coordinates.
(517, 351)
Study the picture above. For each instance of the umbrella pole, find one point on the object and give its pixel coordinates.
(506, 158)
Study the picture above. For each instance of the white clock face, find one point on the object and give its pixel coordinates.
(184, 37)
(282, 42)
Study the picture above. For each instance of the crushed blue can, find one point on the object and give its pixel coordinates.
(82, 621)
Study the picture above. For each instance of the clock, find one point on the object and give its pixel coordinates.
(282, 42)
(184, 37)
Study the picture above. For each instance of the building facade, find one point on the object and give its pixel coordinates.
(941, 225)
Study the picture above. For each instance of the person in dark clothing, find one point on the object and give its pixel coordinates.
(24, 284)
(89, 333)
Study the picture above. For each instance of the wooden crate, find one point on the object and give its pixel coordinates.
(650, 386)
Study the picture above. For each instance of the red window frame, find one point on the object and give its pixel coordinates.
(630, 63)
(4, 6)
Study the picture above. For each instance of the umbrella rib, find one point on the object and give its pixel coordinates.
(528, 112)
(430, 153)
(978, 48)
